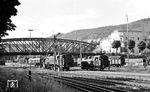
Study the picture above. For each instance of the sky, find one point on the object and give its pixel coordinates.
(48, 17)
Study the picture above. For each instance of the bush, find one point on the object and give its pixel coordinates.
(136, 56)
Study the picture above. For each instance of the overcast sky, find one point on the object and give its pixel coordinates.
(47, 17)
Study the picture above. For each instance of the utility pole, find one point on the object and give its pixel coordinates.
(29, 73)
(30, 30)
(55, 50)
(54, 53)
(127, 38)
(80, 53)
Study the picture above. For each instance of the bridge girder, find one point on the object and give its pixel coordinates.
(45, 45)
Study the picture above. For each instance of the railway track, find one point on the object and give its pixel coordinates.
(93, 85)
(87, 85)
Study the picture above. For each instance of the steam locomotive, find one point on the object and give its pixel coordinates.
(100, 62)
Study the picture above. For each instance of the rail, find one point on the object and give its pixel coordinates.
(88, 86)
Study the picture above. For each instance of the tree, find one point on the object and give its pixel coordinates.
(148, 45)
(7, 9)
(92, 42)
(95, 42)
(131, 44)
(116, 44)
(141, 45)
(123, 49)
(125, 44)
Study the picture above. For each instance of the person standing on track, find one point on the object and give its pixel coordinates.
(144, 63)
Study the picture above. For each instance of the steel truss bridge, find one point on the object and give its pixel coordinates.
(43, 46)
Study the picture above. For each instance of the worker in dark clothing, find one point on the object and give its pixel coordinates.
(29, 75)
(122, 58)
(144, 63)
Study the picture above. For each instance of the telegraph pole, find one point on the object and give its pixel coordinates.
(54, 53)
(127, 38)
(29, 73)
(80, 52)
(30, 30)
(55, 50)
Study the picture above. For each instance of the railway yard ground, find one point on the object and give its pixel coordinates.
(128, 78)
